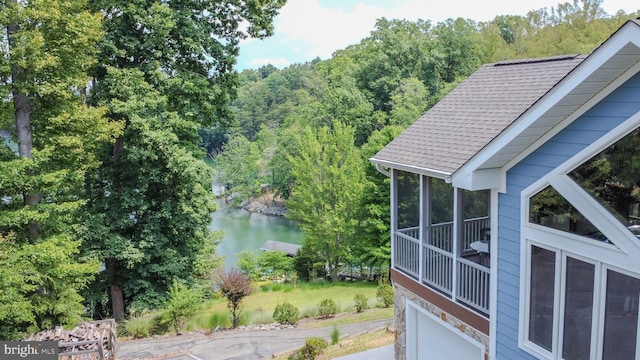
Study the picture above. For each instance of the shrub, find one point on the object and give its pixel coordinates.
(335, 335)
(308, 264)
(234, 286)
(313, 347)
(183, 302)
(361, 302)
(327, 308)
(384, 293)
(286, 313)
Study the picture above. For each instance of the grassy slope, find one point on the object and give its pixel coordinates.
(259, 306)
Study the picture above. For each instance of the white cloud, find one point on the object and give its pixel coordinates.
(306, 29)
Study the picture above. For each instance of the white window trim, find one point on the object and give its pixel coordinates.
(623, 256)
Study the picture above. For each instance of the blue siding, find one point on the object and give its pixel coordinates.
(605, 116)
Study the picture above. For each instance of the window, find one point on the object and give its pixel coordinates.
(542, 295)
(548, 208)
(578, 309)
(581, 293)
(580, 333)
(612, 178)
(621, 317)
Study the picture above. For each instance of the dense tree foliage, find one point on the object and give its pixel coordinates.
(46, 48)
(326, 197)
(164, 71)
(382, 84)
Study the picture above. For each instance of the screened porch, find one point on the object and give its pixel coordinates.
(445, 243)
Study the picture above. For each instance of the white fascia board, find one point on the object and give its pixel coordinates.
(479, 180)
(413, 169)
(628, 33)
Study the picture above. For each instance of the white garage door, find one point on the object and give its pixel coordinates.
(429, 338)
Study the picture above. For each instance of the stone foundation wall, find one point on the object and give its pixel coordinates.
(401, 294)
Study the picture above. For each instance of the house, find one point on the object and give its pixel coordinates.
(516, 208)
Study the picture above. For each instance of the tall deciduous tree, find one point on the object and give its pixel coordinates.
(151, 204)
(46, 50)
(175, 59)
(329, 180)
(374, 241)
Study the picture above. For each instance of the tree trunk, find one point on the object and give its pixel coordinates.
(22, 115)
(115, 290)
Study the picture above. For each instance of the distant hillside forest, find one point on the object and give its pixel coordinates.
(308, 130)
(388, 79)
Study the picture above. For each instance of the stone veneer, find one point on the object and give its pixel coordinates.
(401, 294)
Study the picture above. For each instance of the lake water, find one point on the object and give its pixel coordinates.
(245, 230)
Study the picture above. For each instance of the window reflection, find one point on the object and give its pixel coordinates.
(613, 177)
(543, 265)
(621, 317)
(550, 209)
(578, 309)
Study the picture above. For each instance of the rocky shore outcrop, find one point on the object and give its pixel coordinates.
(275, 208)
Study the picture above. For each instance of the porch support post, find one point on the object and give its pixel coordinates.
(425, 219)
(458, 232)
(394, 211)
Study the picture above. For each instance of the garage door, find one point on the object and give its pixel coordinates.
(430, 338)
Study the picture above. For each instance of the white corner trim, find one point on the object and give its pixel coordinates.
(493, 278)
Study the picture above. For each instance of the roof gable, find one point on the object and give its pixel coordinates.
(598, 75)
(474, 113)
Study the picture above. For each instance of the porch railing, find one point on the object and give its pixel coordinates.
(438, 268)
(473, 285)
(472, 280)
(406, 254)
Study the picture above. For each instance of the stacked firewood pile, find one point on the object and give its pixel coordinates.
(89, 340)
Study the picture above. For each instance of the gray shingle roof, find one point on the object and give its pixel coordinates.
(474, 113)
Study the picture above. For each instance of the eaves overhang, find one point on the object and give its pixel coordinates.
(412, 169)
(613, 62)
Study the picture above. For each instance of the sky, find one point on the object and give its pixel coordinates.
(307, 29)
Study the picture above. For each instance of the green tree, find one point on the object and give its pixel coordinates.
(329, 180)
(165, 70)
(275, 264)
(308, 264)
(151, 202)
(409, 102)
(374, 241)
(234, 286)
(182, 303)
(238, 166)
(47, 47)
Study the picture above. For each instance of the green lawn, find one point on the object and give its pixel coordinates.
(259, 306)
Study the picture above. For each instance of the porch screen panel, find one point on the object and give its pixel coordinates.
(408, 187)
(441, 215)
(621, 317)
(543, 268)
